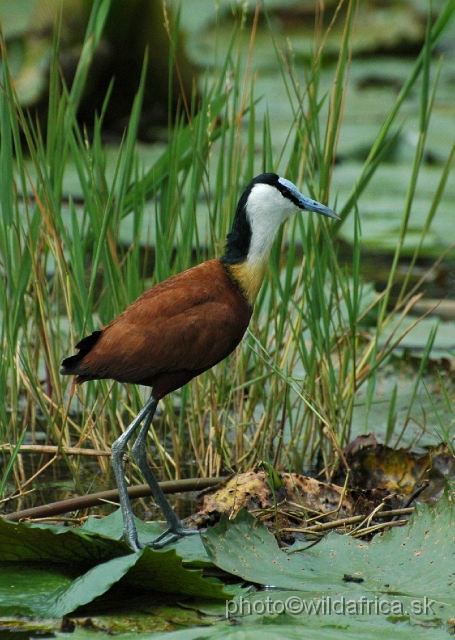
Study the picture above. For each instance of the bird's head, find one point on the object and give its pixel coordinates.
(264, 205)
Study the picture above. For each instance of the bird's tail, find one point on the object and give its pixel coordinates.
(71, 365)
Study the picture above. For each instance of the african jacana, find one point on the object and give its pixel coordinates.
(187, 324)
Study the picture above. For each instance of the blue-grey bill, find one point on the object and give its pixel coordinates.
(317, 207)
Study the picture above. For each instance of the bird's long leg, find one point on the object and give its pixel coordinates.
(117, 452)
(175, 529)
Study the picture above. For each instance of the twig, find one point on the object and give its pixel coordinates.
(47, 448)
(336, 524)
(96, 499)
(378, 527)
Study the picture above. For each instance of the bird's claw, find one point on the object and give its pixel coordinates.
(168, 536)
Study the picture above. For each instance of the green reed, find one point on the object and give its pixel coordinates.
(288, 393)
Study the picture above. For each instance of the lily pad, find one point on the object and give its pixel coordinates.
(52, 571)
(413, 566)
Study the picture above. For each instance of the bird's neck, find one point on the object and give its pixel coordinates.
(248, 276)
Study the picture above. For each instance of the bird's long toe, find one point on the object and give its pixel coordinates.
(171, 535)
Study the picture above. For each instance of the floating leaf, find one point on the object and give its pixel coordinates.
(52, 571)
(413, 565)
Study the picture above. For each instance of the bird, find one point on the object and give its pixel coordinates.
(184, 326)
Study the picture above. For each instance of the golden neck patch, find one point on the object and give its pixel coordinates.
(249, 277)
